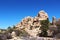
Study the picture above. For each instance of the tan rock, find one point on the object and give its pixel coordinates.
(29, 22)
(13, 34)
(42, 15)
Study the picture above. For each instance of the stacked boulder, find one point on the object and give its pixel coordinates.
(31, 25)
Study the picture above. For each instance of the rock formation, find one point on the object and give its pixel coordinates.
(52, 27)
(42, 14)
(32, 25)
(58, 22)
(53, 20)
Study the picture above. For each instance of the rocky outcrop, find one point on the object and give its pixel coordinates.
(42, 15)
(52, 27)
(32, 25)
(58, 22)
(54, 20)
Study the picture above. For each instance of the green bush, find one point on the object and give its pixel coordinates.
(44, 27)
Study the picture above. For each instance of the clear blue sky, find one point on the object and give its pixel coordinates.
(13, 11)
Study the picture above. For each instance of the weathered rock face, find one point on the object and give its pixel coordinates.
(32, 25)
(58, 22)
(53, 20)
(42, 15)
(52, 27)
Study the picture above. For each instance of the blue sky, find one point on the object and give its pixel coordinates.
(13, 11)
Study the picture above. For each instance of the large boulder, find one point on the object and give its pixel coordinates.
(42, 14)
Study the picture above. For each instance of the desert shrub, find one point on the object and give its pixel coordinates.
(44, 27)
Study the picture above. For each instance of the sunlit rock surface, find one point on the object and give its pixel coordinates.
(32, 24)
